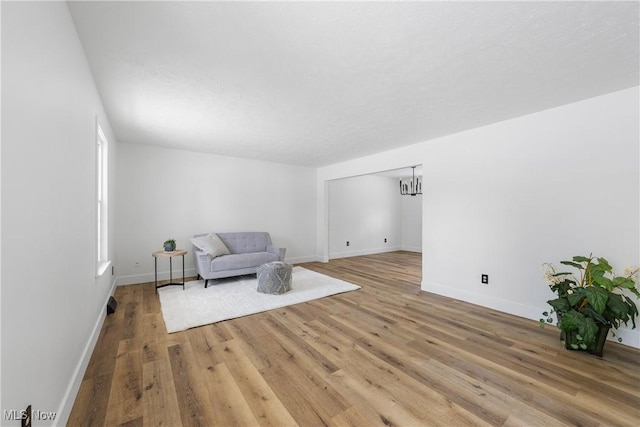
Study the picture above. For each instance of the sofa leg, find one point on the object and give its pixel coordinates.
(206, 282)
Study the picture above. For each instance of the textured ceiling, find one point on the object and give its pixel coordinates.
(314, 83)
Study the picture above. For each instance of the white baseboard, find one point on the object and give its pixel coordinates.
(64, 411)
(370, 251)
(150, 277)
(302, 259)
(629, 337)
(505, 306)
(188, 272)
(412, 249)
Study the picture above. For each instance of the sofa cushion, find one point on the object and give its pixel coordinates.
(246, 242)
(238, 261)
(211, 244)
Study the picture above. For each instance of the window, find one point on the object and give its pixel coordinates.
(102, 211)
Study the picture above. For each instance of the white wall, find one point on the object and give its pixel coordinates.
(411, 220)
(52, 304)
(385, 161)
(165, 193)
(504, 198)
(364, 210)
(541, 188)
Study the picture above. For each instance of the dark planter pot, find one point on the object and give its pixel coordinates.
(169, 248)
(569, 337)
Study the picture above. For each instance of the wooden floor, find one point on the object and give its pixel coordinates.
(385, 355)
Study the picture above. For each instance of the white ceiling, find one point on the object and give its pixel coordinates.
(314, 83)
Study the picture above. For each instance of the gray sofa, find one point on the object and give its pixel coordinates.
(246, 251)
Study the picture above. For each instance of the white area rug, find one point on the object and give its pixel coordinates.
(197, 306)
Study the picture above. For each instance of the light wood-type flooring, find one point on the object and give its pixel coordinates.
(385, 355)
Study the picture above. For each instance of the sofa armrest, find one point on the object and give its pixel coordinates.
(202, 262)
(277, 251)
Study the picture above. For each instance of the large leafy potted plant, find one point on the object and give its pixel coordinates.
(590, 304)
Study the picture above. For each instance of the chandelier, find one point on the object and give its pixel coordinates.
(411, 187)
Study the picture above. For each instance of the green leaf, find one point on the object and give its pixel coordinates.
(602, 281)
(626, 283)
(597, 297)
(588, 330)
(573, 264)
(571, 320)
(581, 259)
(588, 311)
(595, 274)
(560, 305)
(604, 264)
(565, 273)
(565, 285)
(617, 307)
(633, 311)
(576, 297)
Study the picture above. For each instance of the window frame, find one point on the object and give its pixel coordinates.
(102, 202)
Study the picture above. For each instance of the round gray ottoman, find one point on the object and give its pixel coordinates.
(274, 277)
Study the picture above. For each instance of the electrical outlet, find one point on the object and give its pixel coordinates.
(485, 279)
(385, 240)
(136, 264)
(26, 417)
(347, 243)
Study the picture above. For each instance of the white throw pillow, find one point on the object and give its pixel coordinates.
(211, 244)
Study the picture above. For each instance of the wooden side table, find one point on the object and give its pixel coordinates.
(170, 255)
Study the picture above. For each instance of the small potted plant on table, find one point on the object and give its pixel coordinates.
(169, 245)
(587, 307)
